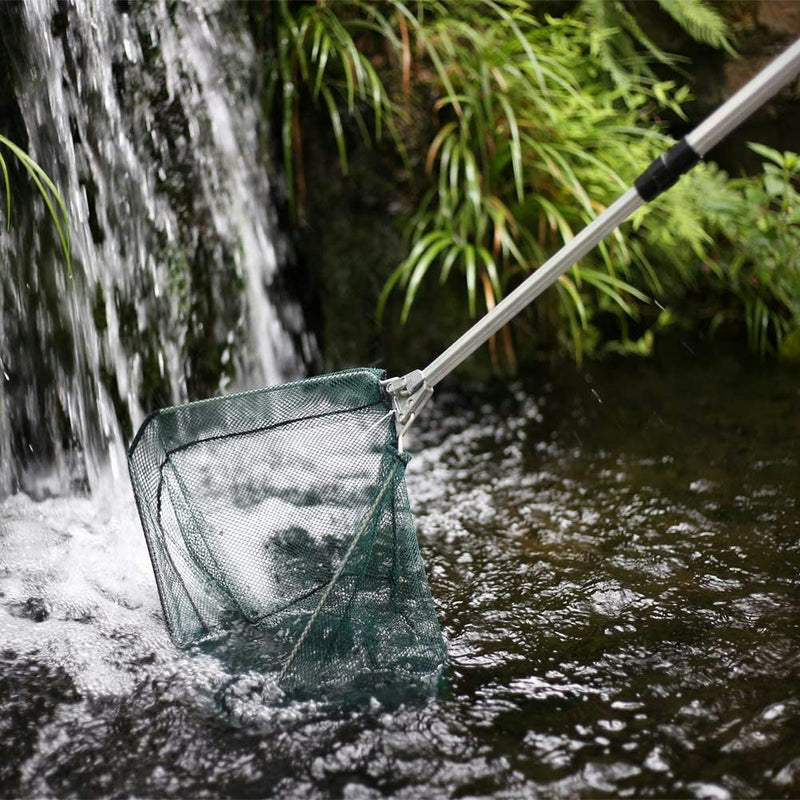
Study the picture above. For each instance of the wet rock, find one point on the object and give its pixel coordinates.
(36, 608)
(779, 16)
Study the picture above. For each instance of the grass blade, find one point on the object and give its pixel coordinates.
(8, 191)
(47, 189)
(338, 130)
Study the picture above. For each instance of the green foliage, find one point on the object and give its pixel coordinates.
(756, 221)
(699, 20)
(536, 137)
(527, 127)
(617, 38)
(315, 50)
(46, 188)
(747, 270)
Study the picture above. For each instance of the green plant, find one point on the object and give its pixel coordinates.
(315, 50)
(537, 136)
(747, 270)
(527, 126)
(619, 54)
(48, 191)
(757, 258)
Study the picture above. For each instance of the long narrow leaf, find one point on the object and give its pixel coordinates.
(455, 167)
(420, 270)
(34, 169)
(574, 328)
(600, 278)
(516, 148)
(62, 235)
(444, 171)
(572, 292)
(8, 191)
(471, 270)
(324, 53)
(448, 261)
(338, 130)
(392, 281)
(436, 144)
(376, 95)
(491, 271)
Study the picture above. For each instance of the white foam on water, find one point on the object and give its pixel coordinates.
(77, 595)
(80, 566)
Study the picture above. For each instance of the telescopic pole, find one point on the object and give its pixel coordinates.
(660, 175)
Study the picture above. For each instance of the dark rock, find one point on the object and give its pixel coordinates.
(37, 609)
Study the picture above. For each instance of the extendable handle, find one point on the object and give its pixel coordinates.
(659, 176)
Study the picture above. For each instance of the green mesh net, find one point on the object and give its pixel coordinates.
(278, 523)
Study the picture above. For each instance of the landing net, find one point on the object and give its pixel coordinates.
(283, 512)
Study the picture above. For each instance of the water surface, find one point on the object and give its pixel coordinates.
(614, 557)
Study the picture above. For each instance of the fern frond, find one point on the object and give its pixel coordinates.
(702, 22)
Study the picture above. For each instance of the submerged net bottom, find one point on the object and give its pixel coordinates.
(278, 524)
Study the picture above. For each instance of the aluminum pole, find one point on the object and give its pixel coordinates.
(660, 175)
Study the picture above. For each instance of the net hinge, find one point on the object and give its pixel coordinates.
(409, 394)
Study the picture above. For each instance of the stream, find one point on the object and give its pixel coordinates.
(614, 557)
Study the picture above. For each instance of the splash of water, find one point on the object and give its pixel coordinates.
(144, 116)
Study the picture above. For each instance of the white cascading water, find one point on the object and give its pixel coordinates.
(146, 118)
(146, 121)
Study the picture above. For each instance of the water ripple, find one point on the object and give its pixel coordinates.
(621, 618)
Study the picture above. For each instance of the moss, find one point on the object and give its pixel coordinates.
(204, 284)
(154, 390)
(216, 306)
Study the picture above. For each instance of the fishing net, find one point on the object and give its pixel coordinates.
(281, 514)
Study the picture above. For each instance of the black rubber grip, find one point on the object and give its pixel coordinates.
(666, 170)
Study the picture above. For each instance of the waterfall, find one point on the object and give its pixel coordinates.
(145, 115)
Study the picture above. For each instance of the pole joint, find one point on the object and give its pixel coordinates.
(408, 394)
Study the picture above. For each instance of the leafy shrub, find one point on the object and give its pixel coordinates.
(755, 264)
(529, 127)
(536, 136)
